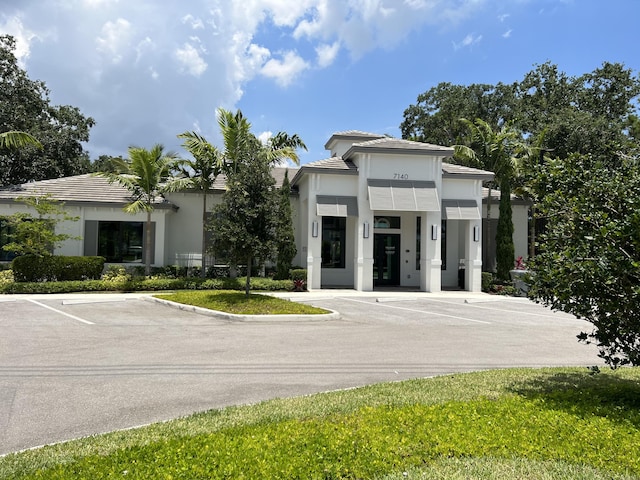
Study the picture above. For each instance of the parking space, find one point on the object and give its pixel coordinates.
(75, 365)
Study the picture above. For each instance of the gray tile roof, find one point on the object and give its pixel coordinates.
(398, 145)
(96, 190)
(277, 172)
(328, 165)
(79, 189)
(450, 170)
(351, 135)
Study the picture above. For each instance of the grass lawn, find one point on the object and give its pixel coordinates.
(507, 424)
(237, 302)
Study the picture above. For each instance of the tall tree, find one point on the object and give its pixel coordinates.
(147, 174)
(434, 117)
(243, 153)
(285, 235)
(25, 106)
(505, 250)
(201, 173)
(493, 151)
(243, 225)
(589, 259)
(591, 113)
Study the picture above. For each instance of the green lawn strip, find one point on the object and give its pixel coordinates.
(489, 468)
(545, 420)
(238, 303)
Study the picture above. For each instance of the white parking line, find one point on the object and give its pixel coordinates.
(419, 311)
(60, 312)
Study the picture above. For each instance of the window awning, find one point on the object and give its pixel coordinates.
(404, 195)
(460, 210)
(336, 206)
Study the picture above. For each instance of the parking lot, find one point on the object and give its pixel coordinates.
(76, 365)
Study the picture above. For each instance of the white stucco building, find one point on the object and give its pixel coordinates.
(377, 212)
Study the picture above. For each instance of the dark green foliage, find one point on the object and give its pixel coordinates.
(434, 118)
(243, 225)
(37, 235)
(591, 113)
(285, 237)
(487, 280)
(49, 268)
(298, 274)
(25, 106)
(505, 251)
(589, 260)
(128, 284)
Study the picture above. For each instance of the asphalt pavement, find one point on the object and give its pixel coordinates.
(80, 364)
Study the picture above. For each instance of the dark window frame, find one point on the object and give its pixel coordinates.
(334, 242)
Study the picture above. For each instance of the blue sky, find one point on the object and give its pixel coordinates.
(148, 70)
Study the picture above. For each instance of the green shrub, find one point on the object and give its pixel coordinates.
(298, 274)
(47, 268)
(6, 277)
(115, 281)
(487, 280)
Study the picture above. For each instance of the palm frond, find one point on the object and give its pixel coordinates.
(17, 139)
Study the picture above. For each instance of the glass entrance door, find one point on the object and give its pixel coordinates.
(386, 259)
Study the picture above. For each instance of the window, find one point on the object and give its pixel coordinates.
(418, 244)
(334, 231)
(443, 244)
(5, 237)
(386, 222)
(121, 242)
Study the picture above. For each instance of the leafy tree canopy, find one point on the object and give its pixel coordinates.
(589, 263)
(25, 107)
(590, 113)
(36, 235)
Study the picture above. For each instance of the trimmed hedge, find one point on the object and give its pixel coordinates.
(125, 284)
(49, 268)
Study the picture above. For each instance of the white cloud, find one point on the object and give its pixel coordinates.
(193, 22)
(468, 41)
(265, 136)
(114, 39)
(507, 34)
(364, 25)
(327, 54)
(190, 60)
(503, 17)
(13, 26)
(285, 71)
(99, 3)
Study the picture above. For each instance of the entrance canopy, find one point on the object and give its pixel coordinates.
(404, 195)
(460, 210)
(336, 206)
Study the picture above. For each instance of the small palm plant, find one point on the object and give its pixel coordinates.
(147, 174)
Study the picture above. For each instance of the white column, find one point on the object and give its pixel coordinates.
(314, 243)
(473, 255)
(363, 263)
(430, 252)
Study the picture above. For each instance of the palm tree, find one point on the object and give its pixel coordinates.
(492, 151)
(147, 174)
(201, 173)
(241, 146)
(17, 139)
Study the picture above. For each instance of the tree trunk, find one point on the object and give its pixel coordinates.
(247, 284)
(147, 246)
(203, 268)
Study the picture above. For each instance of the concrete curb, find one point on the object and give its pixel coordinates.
(246, 318)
